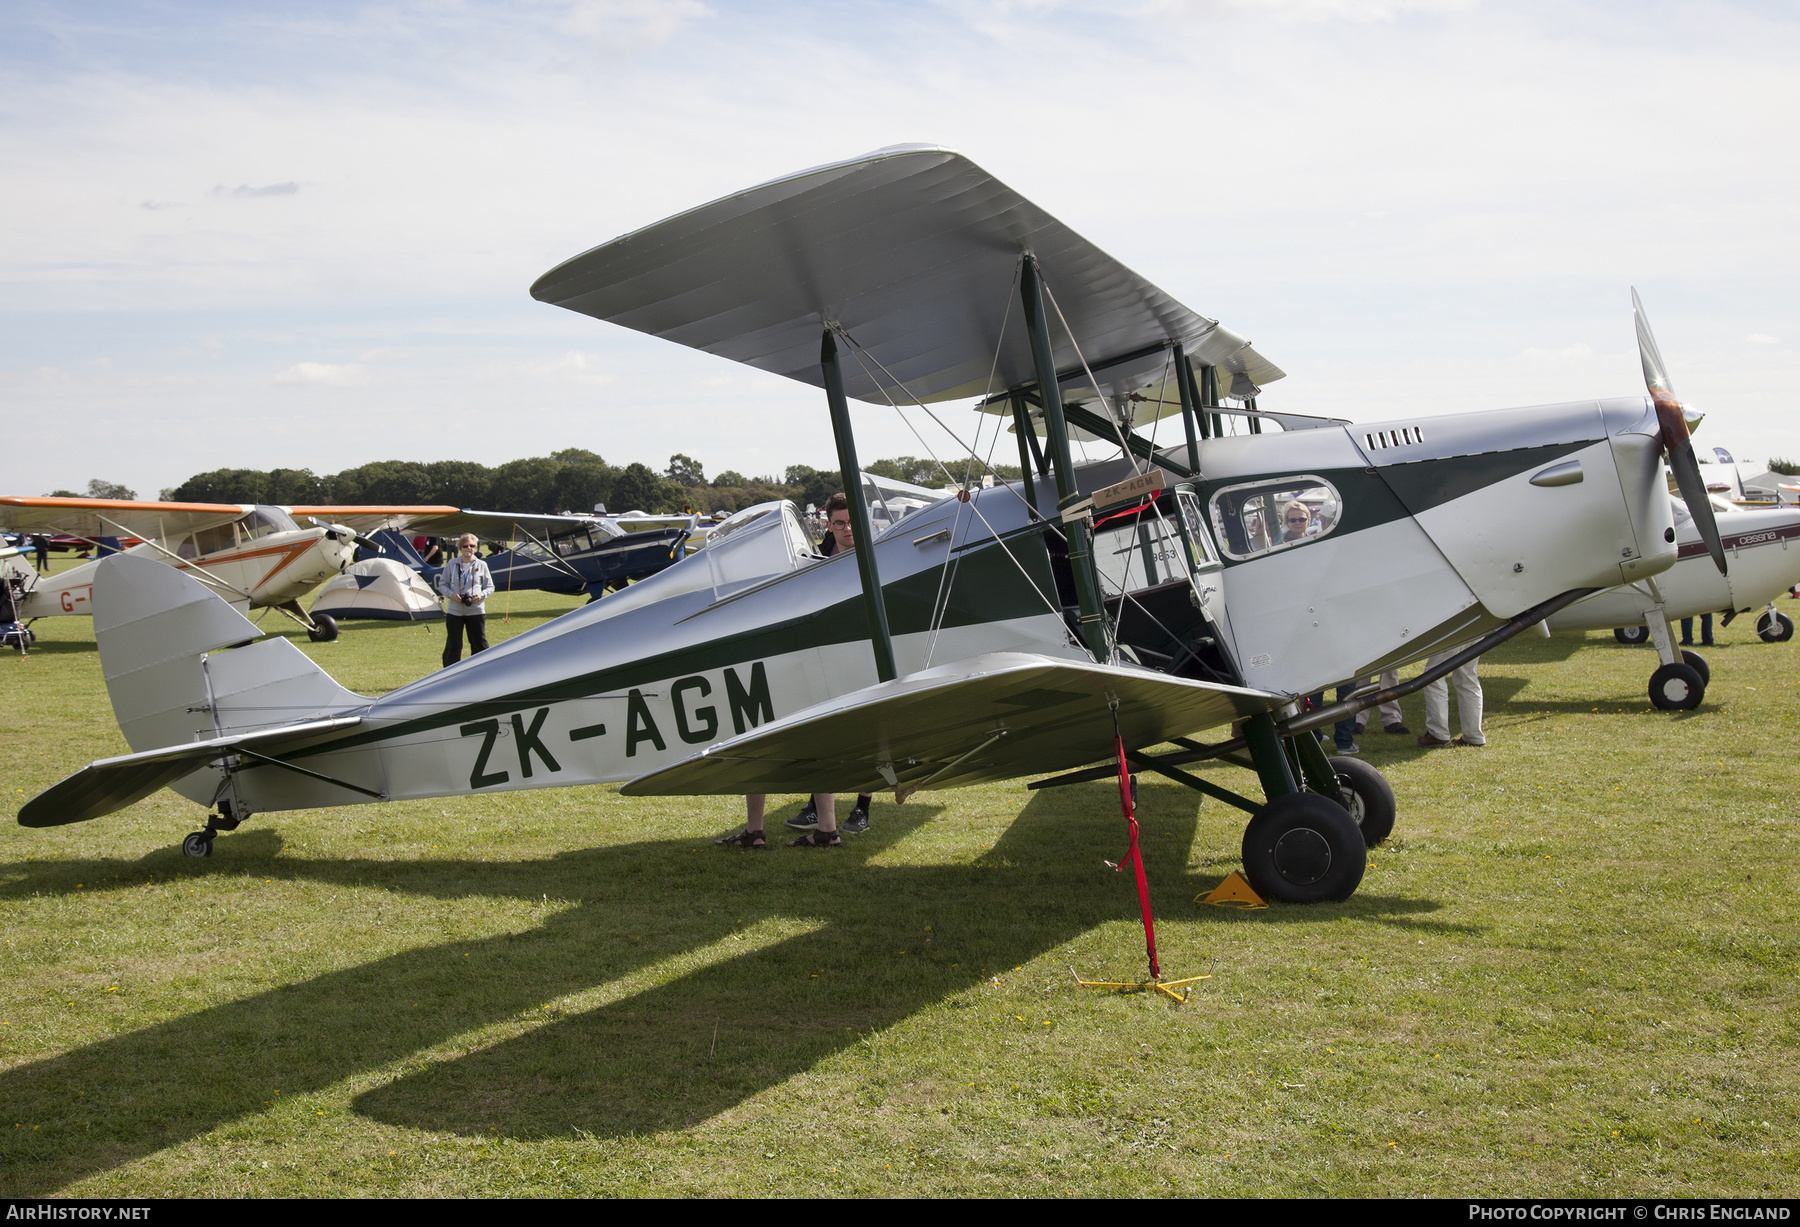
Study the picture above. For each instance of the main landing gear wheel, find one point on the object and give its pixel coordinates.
(324, 628)
(1677, 688)
(1304, 848)
(1632, 636)
(1775, 627)
(1698, 664)
(1366, 796)
(197, 844)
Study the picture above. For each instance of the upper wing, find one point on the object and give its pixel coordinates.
(913, 250)
(989, 717)
(111, 517)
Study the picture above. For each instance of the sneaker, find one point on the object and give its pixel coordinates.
(856, 823)
(1395, 728)
(1352, 748)
(807, 819)
(1432, 743)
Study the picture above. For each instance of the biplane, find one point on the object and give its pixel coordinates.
(1077, 621)
(252, 556)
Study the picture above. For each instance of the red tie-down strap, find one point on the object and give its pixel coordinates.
(1137, 860)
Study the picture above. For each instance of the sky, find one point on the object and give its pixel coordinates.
(303, 235)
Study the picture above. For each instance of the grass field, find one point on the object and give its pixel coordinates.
(1571, 971)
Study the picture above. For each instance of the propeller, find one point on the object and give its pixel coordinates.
(1677, 444)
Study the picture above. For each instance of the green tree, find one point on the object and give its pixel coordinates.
(639, 489)
(730, 477)
(583, 485)
(686, 471)
(525, 485)
(224, 486)
(399, 483)
(291, 487)
(1789, 467)
(460, 483)
(73, 494)
(109, 489)
(812, 485)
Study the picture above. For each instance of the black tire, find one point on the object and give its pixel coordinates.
(324, 628)
(197, 844)
(1676, 688)
(1304, 848)
(1367, 797)
(1698, 664)
(1632, 636)
(1775, 627)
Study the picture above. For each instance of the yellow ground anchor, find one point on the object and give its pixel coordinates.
(1165, 987)
(1235, 892)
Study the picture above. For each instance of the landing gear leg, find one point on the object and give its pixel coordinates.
(1300, 847)
(1677, 685)
(200, 843)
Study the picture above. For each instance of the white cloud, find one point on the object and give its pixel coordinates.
(1568, 353)
(1761, 338)
(623, 26)
(324, 374)
(244, 189)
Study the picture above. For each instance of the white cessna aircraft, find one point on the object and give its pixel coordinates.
(252, 557)
(1087, 615)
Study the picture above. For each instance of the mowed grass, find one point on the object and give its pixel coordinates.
(1569, 972)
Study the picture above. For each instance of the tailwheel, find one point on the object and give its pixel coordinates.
(324, 628)
(1366, 796)
(1304, 848)
(198, 844)
(1775, 627)
(1677, 687)
(1632, 636)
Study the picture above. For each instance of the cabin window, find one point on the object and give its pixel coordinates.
(186, 548)
(1263, 517)
(571, 544)
(212, 540)
(1193, 523)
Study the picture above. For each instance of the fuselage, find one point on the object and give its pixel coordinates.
(757, 627)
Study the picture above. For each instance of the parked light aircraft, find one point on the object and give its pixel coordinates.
(1083, 616)
(553, 553)
(1764, 546)
(254, 557)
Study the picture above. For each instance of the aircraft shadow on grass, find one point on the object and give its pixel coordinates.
(641, 1063)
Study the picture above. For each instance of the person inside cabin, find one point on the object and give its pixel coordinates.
(466, 585)
(839, 538)
(1296, 522)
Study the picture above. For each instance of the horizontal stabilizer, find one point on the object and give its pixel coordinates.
(990, 717)
(103, 787)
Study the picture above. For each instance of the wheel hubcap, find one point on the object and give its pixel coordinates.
(1302, 856)
(1675, 690)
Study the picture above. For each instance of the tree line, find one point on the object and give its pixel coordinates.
(570, 480)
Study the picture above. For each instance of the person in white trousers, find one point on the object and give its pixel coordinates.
(1468, 706)
(1391, 720)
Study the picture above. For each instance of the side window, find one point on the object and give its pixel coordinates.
(186, 548)
(1261, 517)
(1193, 523)
(211, 540)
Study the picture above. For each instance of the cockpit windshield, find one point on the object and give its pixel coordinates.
(265, 521)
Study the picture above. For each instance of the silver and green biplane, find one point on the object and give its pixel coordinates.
(1094, 618)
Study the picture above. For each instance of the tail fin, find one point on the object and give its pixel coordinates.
(162, 640)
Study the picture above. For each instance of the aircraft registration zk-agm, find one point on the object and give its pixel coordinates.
(1072, 622)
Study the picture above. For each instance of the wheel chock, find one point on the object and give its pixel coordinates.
(1235, 892)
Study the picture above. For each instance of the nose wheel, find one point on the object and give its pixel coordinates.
(198, 844)
(1775, 627)
(1677, 687)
